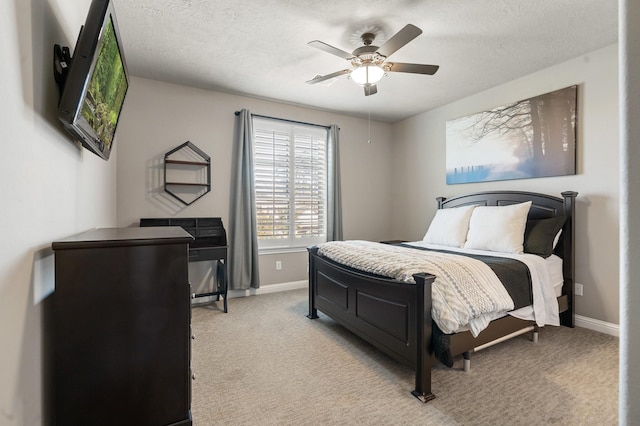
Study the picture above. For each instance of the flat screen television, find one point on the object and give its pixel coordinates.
(94, 82)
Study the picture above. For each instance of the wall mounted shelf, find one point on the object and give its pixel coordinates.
(186, 168)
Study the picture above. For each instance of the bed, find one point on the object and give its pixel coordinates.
(395, 317)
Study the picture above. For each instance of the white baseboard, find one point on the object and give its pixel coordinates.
(597, 325)
(271, 288)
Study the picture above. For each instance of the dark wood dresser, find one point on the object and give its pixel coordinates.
(121, 342)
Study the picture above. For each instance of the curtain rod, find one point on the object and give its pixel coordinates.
(286, 119)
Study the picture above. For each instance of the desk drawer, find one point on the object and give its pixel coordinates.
(212, 253)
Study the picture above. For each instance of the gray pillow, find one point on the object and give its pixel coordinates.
(539, 235)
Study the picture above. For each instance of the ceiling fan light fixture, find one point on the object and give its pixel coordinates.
(367, 74)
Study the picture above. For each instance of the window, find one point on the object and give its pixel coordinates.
(290, 172)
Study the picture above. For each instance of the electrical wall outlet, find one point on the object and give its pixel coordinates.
(579, 289)
(278, 265)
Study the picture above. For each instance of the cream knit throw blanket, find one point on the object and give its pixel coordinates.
(465, 293)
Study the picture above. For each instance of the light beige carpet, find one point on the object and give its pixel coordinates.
(265, 363)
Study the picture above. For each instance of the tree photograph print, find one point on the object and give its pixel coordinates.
(535, 137)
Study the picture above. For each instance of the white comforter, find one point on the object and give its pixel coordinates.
(544, 310)
(466, 292)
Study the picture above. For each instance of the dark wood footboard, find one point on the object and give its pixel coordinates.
(395, 317)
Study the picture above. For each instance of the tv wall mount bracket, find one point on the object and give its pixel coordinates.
(61, 63)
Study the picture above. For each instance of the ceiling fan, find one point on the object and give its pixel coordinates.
(369, 62)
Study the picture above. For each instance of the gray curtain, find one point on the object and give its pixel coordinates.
(243, 234)
(334, 195)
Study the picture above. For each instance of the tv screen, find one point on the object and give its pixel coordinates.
(96, 82)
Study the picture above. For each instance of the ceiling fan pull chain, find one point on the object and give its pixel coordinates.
(369, 108)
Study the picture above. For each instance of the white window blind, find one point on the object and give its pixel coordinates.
(290, 172)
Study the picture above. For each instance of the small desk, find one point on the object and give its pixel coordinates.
(210, 243)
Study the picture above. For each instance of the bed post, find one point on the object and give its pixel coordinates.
(440, 201)
(424, 346)
(569, 257)
(313, 312)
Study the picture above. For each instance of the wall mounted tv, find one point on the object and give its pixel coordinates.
(94, 82)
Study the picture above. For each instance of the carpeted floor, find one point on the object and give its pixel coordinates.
(265, 363)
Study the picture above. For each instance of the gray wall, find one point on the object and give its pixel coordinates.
(161, 116)
(51, 188)
(419, 169)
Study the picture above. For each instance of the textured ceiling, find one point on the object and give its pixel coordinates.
(259, 47)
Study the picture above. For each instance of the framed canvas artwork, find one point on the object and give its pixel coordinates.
(531, 138)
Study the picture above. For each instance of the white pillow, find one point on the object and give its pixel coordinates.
(498, 228)
(449, 226)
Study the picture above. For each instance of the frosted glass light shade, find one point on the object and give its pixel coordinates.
(367, 74)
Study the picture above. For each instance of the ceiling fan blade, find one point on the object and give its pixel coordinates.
(412, 68)
(319, 78)
(370, 89)
(402, 37)
(330, 49)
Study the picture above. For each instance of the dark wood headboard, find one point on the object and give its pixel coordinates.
(543, 206)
